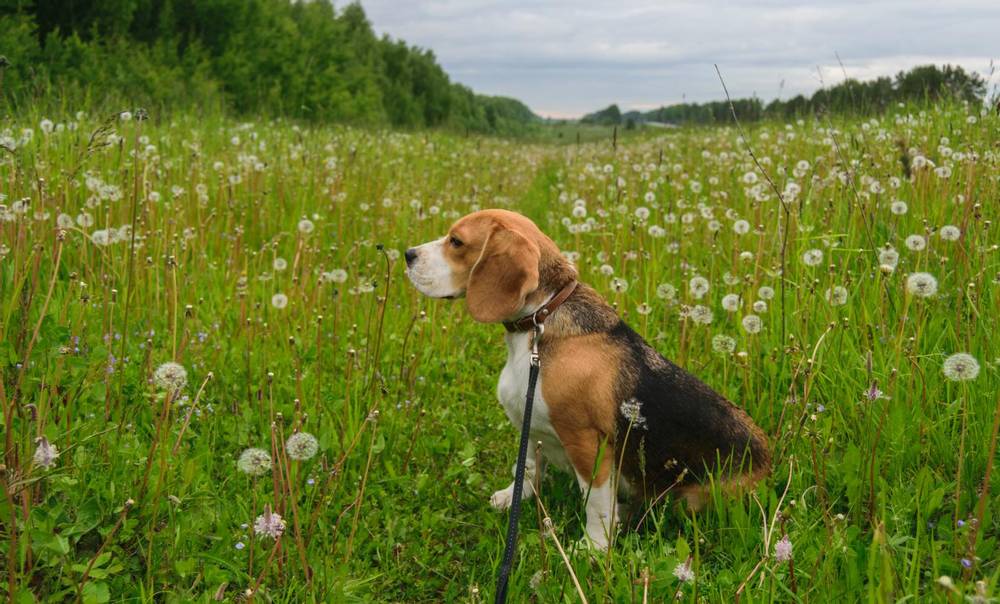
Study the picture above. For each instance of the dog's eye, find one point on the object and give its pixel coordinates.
(455, 241)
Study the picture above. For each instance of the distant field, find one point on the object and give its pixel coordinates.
(267, 264)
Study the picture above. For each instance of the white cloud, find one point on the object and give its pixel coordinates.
(568, 57)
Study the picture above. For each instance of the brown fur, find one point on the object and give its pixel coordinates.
(580, 382)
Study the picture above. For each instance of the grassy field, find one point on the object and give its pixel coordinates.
(267, 264)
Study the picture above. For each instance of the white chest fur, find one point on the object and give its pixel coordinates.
(511, 391)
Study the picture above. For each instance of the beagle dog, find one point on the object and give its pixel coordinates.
(608, 407)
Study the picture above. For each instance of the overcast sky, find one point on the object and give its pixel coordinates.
(565, 58)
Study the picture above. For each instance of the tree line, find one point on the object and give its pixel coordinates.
(306, 60)
(926, 83)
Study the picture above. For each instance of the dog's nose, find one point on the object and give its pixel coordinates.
(411, 255)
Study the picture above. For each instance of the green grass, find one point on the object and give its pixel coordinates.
(399, 389)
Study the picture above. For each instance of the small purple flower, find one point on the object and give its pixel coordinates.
(311, 481)
(966, 563)
(269, 524)
(873, 393)
(240, 545)
(961, 523)
(783, 549)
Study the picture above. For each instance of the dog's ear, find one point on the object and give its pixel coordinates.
(507, 271)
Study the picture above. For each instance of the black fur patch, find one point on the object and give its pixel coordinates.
(675, 429)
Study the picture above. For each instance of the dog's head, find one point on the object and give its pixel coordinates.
(498, 260)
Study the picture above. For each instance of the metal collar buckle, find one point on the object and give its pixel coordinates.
(536, 336)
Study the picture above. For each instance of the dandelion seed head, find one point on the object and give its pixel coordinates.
(731, 302)
(961, 367)
(916, 243)
(752, 324)
(923, 285)
(279, 300)
(631, 410)
(301, 446)
(101, 237)
(701, 314)
(698, 286)
(812, 257)
(888, 257)
(254, 462)
(723, 344)
(170, 376)
(837, 295)
(306, 226)
(950, 232)
(666, 291)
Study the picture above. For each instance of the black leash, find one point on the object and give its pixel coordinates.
(522, 456)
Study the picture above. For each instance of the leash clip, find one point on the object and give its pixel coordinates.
(539, 329)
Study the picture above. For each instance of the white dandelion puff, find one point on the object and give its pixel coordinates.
(837, 295)
(666, 291)
(723, 344)
(752, 324)
(698, 286)
(961, 367)
(170, 376)
(338, 275)
(101, 237)
(254, 462)
(812, 257)
(631, 410)
(916, 243)
(888, 257)
(702, 314)
(950, 232)
(301, 446)
(922, 285)
(731, 302)
(279, 300)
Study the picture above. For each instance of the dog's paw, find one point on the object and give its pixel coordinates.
(595, 543)
(502, 499)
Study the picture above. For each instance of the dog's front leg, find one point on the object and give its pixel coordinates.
(502, 499)
(594, 475)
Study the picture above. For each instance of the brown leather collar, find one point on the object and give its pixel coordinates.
(538, 317)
